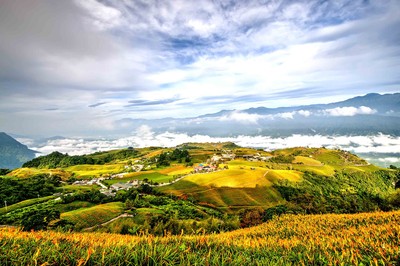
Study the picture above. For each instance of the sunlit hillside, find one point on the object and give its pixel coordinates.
(357, 239)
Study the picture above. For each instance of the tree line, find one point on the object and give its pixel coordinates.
(57, 159)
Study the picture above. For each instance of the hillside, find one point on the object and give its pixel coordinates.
(358, 239)
(195, 187)
(12, 153)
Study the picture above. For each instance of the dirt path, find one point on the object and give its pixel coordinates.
(124, 215)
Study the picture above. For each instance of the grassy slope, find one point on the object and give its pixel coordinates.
(150, 175)
(358, 239)
(87, 217)
(25, 203)
(239, 186)
(88, 171)
(248, 184)
(28, 172)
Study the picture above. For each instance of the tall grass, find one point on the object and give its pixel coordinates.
(358, 239)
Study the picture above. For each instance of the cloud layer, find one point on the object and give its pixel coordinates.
(145, 137)
(77, 67)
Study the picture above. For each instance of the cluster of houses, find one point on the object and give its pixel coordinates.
(135, 167)
(125, 186)
(94, 181)
(211, 164)
(113, 188)
(205, 168)
(256, 157)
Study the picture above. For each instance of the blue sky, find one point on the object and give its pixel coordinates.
(77, 68)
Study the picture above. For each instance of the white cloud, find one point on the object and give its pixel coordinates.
(287, 115)
(304, 113)
(103, 17)
(241, 117)
(349, 111)
(389, 160)
(145, 137)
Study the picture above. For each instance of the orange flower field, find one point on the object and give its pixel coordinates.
(332, 239)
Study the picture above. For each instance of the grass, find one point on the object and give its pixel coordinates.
(88, 170)
(357, 239)
(176, 170)
(150, 175)
(73, 206)
(75, 188)
(88, 217)
(240, 186)
(231, 178)
(307, 161)
(29, 172)
(226, 197)
(291, 175)
(24, 204)
(244, 163)
(326, 170)
(149, 210)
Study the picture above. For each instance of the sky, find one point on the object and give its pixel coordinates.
(79, 68)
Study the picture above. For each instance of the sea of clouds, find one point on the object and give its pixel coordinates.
(388, 146)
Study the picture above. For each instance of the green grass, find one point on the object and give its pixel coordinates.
(153, 176)
(244, 163)
(149, 210)
(92, 216)
(73, 206)
(24, 204)
(226, 197)
(326, 170)
(290, 175)
(307, 161)
(28, 172)
(88, 170)
(74, 188)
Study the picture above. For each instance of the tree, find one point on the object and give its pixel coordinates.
(38, 219)
(251, 217)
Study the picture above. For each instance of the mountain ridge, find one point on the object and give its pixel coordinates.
(370, 114)
(13, 153)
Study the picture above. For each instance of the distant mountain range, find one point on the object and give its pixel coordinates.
(370, 114)
(12, 153)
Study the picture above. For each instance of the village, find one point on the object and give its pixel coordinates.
(210, 165)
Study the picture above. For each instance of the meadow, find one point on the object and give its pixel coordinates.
(92, 216)
(330, 239)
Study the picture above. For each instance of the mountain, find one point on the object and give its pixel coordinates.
(13, 153)
(369, 114)
(387, 104)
